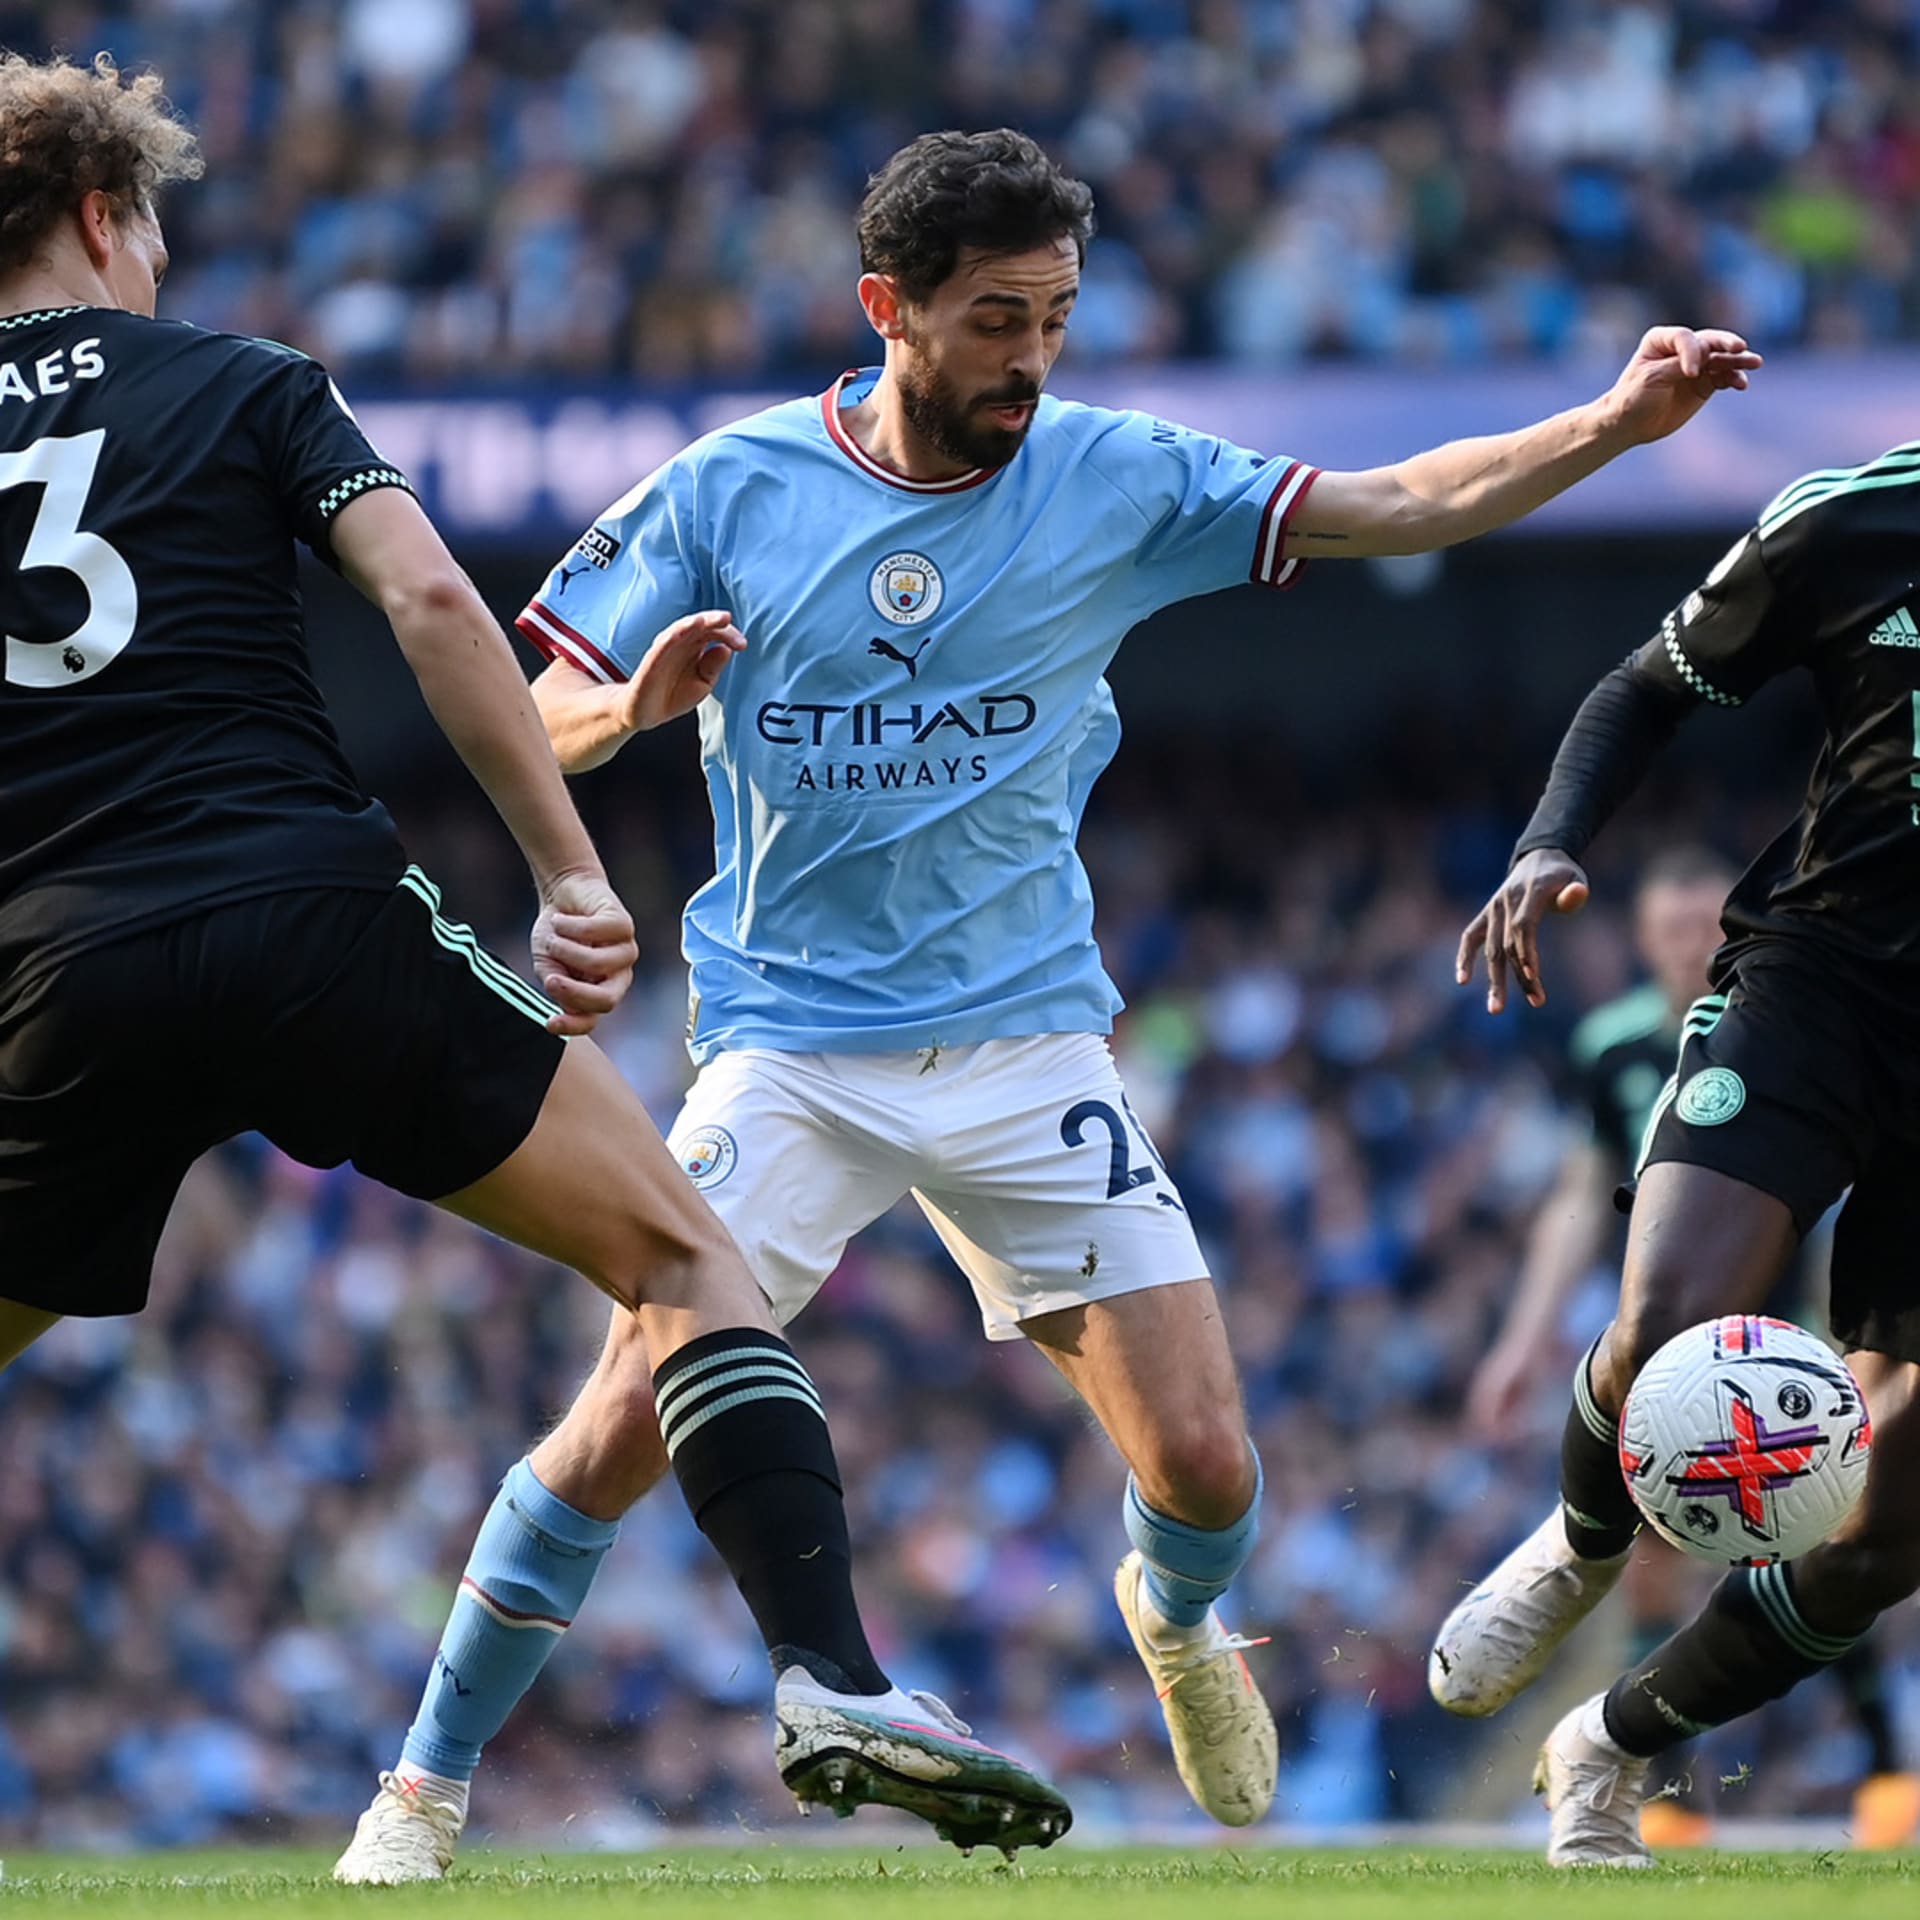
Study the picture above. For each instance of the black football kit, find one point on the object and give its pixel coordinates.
(1799, 1073)
(206, 925)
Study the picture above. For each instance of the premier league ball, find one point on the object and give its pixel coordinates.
(1745, 1441)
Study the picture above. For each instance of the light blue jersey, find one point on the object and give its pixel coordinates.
(899, 760)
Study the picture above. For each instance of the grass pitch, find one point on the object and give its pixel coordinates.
(770, 1882)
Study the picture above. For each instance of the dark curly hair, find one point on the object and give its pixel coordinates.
(67, 131)
(945, 192)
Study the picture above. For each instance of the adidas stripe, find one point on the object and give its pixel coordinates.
(1899, 468)
(462, 940)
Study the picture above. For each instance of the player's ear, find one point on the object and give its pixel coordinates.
(99, 224)
(885, 309)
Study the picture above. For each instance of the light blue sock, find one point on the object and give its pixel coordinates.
(1188, 1568)
(531, 1568)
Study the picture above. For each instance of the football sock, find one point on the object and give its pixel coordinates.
(1750, 1644)
(531, 1567)
(748, 1439)
(1595, 1506)
(1186, 1568)
(1863, 1677)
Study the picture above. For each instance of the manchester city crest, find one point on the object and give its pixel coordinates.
(906, 588)
(708, 1155)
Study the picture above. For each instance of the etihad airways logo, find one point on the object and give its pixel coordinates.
(1896, 630)
(906, 745)
(874, 723)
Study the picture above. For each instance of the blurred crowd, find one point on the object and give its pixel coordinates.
(229, 1530)
(662, 189)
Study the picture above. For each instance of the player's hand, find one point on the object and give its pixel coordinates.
(1497, 1394)
(680, 669)
(583, 949)
(1542, 882)
(1673, 374)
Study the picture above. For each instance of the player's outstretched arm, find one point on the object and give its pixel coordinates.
(1469, 487)
(583, 940)
(589, 722)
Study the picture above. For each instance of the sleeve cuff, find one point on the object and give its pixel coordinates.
(558, 641)
(367, 480)
(1271, 566)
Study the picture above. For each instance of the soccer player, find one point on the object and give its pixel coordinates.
(902, 595)
(206, 926)
(1622, 1057)
(1795, 1082)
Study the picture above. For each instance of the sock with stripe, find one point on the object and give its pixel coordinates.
(748, 1440)
(529, 1571)
(1749, 1645)
(1185, 1568)
(1595, 1506)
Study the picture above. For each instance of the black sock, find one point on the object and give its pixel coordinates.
(749, 1442)
(1749, 1645)
(1860, 1673)
(1595, 1506)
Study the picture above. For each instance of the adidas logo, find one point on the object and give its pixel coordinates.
(1896, 630)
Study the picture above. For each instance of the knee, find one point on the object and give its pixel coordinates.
(675, 1259)
(1201, 1471)
(1652, 1314)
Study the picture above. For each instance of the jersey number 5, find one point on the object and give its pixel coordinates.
(63, 468)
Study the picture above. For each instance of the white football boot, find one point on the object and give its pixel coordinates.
(1223, 1739)
(1495, 1643)
(407, 1834)
(908, 1750)
(1594, 1792)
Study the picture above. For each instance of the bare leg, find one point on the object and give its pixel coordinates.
(1155, 1369)
(594, 1188)
(1701, 1244)
(606, 1452)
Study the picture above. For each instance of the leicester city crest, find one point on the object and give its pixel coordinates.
(1712, 1097)
(906, 588)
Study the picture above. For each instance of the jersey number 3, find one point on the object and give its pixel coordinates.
(63, 468)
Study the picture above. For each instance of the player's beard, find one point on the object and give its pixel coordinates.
(957, 429)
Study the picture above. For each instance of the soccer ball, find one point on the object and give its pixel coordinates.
(1745, 1441)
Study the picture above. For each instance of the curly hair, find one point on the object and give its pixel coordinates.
(68, 131)
(945, 192)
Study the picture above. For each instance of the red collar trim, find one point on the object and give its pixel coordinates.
(861, 458)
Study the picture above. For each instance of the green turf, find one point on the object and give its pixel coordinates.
(770, 1882)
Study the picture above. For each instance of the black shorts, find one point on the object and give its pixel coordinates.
(342, 1024)
(1800, 1075)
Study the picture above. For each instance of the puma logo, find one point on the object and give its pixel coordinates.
(911, 661)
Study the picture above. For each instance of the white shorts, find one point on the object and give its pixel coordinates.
(1022, 1153)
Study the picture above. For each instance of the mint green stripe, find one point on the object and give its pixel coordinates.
(1652, 1127)
(1830, 480)
(1821, 480)
(1769, 1586)
(499, 976)
(1867, 483)
(457, 937)
(727, 1402)
(1591, 1415)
